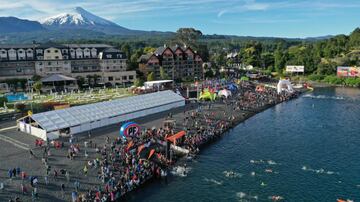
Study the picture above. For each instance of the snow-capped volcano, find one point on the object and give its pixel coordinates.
(79, 18)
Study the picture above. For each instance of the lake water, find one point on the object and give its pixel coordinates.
(307, 149)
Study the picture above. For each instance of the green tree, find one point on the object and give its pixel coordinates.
(37, 86)
(188, 36)
(163, 74)
(150, 76)
(355, 38)
(327, 68)
(139, 82)
(36, 78)
(149, 49)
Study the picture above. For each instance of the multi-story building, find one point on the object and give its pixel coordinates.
(177, 62)
(74, 60)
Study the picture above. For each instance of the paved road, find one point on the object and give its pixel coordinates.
(14, 153)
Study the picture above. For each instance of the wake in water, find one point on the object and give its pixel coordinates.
(319, 171)
(269, 162)
(323, 97)
(232, 174)
(276, 198)
(180, 171)
(243, 196)
(213, 181)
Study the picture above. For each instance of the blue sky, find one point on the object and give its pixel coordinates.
(281, 18)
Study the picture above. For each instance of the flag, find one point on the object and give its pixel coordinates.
(140, 148)
(130, 144)
(151, 153)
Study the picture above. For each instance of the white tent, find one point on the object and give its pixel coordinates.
(224, 93)
(284, 85)
(73, 120)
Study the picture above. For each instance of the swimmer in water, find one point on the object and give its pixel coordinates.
(268, 171)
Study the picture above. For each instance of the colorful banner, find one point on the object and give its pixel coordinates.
(348, 71)
(292, 68)
(151, 153)
(130, 129)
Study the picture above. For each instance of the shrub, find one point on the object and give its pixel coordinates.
(3, 99)
(334, 80)
(20, 106)
(355, 82)
(316, 77)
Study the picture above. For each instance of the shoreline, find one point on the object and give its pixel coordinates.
(221, 112)
(183, 160)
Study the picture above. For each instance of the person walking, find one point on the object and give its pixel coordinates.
(31, 153)
(67, 175)
(62, 190)
(77, 185)
(46, 179)
(74, 196)
(14, 172)
(10, 173)
(55, 174)
(85, 170)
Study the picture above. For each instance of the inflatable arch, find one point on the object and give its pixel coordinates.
(284, 85)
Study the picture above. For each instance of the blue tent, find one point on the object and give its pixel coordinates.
(232, 87)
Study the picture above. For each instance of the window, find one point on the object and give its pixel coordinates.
(85, 68)
(20, 52)
(56, 51)
(76, 68)
(107, 68)
(114, 61)
(108, 56)
(48, 51)
(131, 77)
(3, 52)
(56, 57)
(18, 70)
(93, 67)
(111, 78)
(49, 63)
(40, 69)
(124, 78)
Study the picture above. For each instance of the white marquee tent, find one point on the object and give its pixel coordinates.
(52, 124)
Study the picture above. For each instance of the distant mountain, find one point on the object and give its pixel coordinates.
(79, 18)
(13, 24)
(319, 38)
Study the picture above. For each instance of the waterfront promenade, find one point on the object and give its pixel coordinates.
(193, 118)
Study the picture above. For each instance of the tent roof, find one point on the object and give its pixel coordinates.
(150, 83)
(176, 136)
(64, 118)
(57, 77)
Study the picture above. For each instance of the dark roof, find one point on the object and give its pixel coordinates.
(174, 48)
(17, 46)
(145, 57)
(111, 50)
(57, 77)
(87, 45)
(51, 45)
(160, 50)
